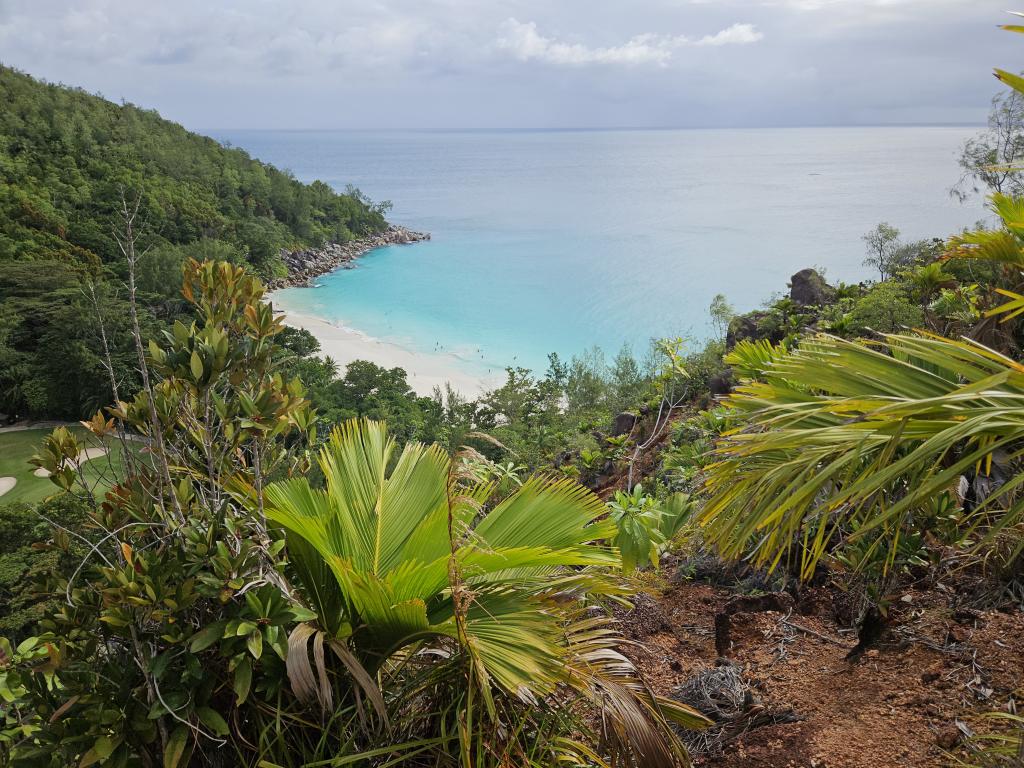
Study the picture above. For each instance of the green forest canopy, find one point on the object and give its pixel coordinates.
(66, 155)
(66, 159)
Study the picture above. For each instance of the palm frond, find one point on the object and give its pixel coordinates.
(750, 357)
(396, 553)
(840, 428)
(636, 722)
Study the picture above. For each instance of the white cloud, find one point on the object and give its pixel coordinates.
(444, 64)
(526, 43)
(737, 34)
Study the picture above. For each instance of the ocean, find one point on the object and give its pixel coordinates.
(562, 241)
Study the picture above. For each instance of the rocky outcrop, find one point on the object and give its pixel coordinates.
(721, 383)
(623, 424)
(749, 327)
(808, 288)
(305, 265)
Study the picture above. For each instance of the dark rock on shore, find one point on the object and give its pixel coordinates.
(807, 287)
(305, 265)
(807, 290)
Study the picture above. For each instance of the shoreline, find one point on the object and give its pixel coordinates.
(424, 371)
(306, 265)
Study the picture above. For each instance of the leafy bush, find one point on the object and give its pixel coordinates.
(645, 525)
(886, 309)
(691, 448)
(136, 670)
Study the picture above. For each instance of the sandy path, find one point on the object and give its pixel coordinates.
(26, 425)
(86, 455)
(6, 484)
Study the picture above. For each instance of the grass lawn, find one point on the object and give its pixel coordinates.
(16, 448)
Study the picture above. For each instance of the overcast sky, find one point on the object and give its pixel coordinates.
(438, 64)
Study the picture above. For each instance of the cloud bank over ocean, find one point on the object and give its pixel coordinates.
(462, 64)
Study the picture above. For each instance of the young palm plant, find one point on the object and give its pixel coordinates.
(847, 440)
(408, 566)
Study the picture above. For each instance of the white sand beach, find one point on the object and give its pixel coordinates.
(424, 371)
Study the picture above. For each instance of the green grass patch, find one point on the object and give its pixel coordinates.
(16, 448)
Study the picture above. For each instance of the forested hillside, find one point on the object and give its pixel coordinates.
(68, 160)
(66, 156)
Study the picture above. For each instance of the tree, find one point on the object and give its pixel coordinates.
(170, 557)
(886, 309)
(883, 244)
(384, 394)
(722, 313)
(628, 382)
(992, 160)
(586, 385)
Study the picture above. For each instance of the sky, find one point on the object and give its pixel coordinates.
(522, 64)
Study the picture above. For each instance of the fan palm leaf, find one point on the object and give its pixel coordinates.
(837, 429)
(395, 554)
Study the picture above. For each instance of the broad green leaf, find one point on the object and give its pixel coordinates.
(196, 365)
(206, 637)
(177, 746)
(244, 628)
(254, 642)
(212, 720)
(101, 749)
(242, 680)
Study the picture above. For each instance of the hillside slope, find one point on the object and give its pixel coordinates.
(67, 161)
(65, 156)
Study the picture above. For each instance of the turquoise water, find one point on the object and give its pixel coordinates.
(557, 241)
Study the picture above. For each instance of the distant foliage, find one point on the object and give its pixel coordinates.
(886, 309)
(22, 565)
(369, 390)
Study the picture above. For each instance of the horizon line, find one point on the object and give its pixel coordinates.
(600, 129)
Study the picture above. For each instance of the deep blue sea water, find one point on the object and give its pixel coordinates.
(557, 241)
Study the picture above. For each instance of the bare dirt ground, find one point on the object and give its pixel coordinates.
(905, 702)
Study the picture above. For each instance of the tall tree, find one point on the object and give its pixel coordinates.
(883, 243)
(991, 161)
